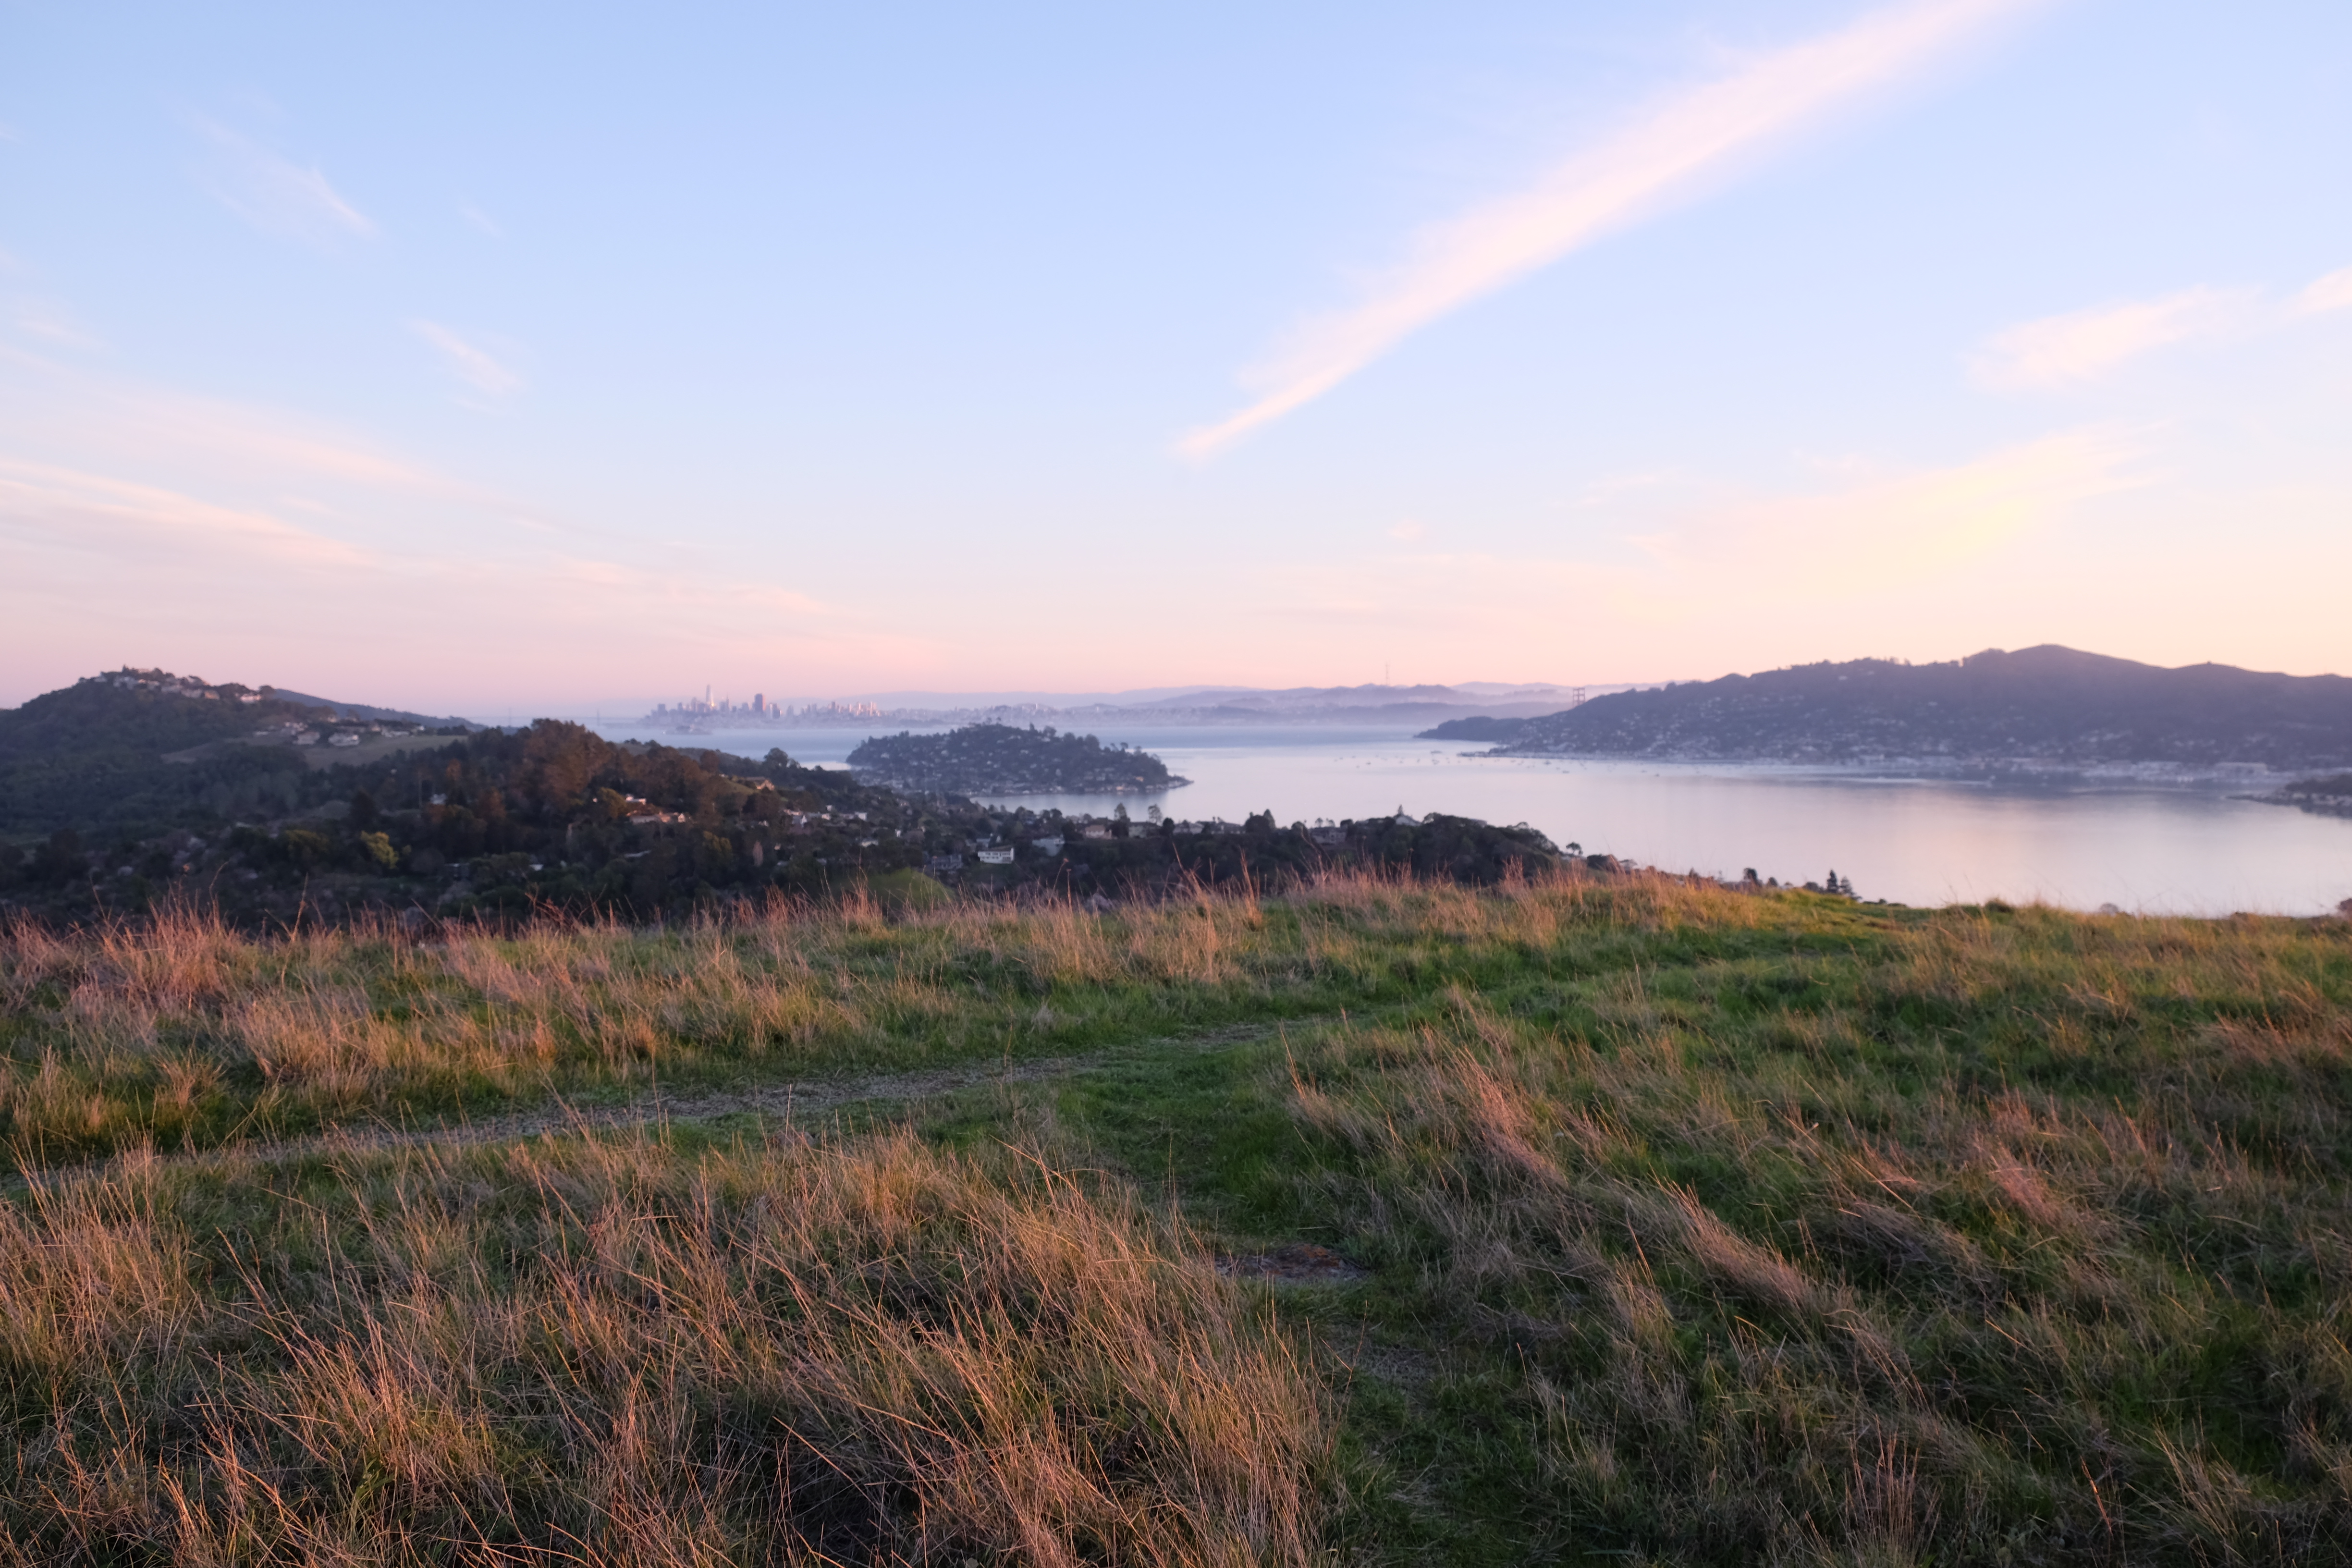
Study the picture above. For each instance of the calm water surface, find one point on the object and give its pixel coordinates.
(2153, 849)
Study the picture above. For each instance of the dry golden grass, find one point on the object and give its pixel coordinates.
(597, 1351)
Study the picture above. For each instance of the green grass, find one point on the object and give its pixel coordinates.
(185, 1035)
(1693, 1228)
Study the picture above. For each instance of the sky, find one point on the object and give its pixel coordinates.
(465, 358)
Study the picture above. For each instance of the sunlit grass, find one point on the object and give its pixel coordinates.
(1694, 1227)
(609, 1352)
(182, 1032)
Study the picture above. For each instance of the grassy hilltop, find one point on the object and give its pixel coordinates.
(1592, 1215)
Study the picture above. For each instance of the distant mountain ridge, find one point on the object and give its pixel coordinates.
(2046, 706)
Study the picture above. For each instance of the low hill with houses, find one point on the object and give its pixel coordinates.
(2042, 707)
(138, 750)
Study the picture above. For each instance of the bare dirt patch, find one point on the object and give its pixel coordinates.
(1295, 1263)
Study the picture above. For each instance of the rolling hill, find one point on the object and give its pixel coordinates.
(2046, 706)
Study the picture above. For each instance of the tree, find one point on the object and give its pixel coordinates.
(61, 861)
(306, 850)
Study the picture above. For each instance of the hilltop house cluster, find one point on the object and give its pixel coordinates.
(325, 730)
(294, 732)
(163, 681)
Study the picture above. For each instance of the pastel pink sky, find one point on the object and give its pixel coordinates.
(1651, 343)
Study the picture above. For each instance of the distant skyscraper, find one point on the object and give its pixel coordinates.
(760, 702)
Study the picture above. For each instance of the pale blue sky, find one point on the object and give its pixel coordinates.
(476, 357)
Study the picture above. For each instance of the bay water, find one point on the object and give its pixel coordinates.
(2082, 843)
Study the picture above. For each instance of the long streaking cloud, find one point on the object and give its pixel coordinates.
(1623, 178)
(274, 195)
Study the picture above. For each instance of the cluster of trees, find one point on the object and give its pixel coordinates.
(998, 758)
(1151, 857)
(557, 815)
(2329, 796)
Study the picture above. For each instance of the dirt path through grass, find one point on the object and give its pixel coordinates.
(794, 1098)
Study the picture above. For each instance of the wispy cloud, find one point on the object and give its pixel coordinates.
(102, 564)
(98, 512)
(137, 521)
(52, 322)
(2332, 292)
(1625, 177)
(471, 363)
(1909, 555)
(275, 197)
(2084, 345)
(1885, 532)
(121, 427)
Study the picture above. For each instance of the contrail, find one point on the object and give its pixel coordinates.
(1624, 177)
